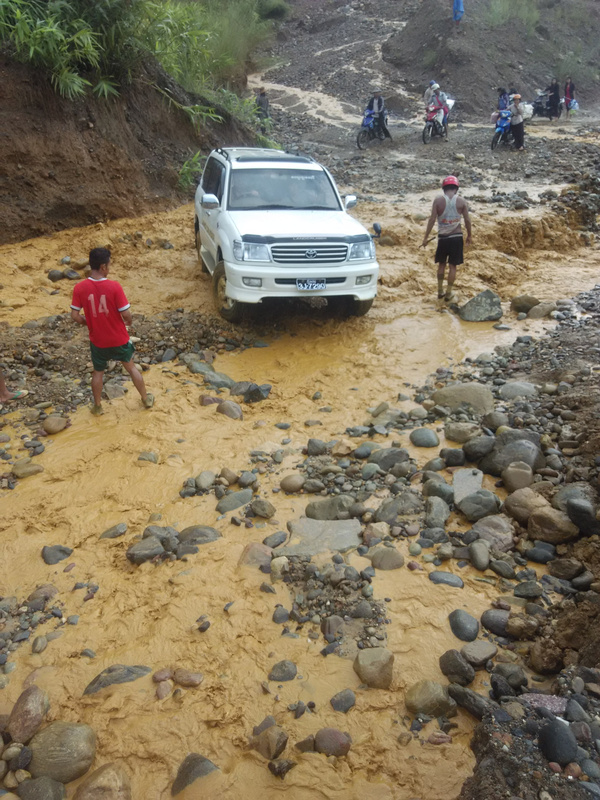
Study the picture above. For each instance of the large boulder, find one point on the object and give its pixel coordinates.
(484, 307)
(457, 395)
(375, 667)
(109, 782)
(520, 505)
(551, 525)
(431, 698)
(63, 751)
(27, 714)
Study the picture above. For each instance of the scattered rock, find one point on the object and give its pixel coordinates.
(456, 668)
(482, 308)
(283, 671)
(464, 626)
(332, 742)
(191, 769)
(387, 558)
(234, 500)
(375, 667)
(557, 742)
(292, 483)
(109, 782)
(55, 553)
(431, 698)
(27, 714)
(231, 409)
(271, 742)
(63, 751)
(457, 395)
(424, 437)
(478, 653)
(343, 701)
(115, 531)
(117, 673)
(54, 424)
(145, 550)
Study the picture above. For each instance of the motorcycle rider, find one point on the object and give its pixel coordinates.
(439, 100)
(377, 105)
(553, 99)
(447, 211)
(428, 93)
(503, 101)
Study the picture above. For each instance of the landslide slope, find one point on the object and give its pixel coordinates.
(66, 164)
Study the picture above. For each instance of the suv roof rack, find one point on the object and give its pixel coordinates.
(274, 157)
(222, 152)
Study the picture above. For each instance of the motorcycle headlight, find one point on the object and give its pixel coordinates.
(246, 251)
(362, 250)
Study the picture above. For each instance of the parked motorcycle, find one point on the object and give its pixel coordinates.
(434, 122)
(370, 130)
(541, 107)
(503, 133)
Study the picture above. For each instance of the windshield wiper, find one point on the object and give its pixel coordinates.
(271, 206)
(319, 208)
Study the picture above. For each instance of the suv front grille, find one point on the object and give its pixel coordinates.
(306, 253)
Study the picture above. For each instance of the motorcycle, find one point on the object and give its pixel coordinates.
(541, 107)
(370, 130)
(434, 121)
(503, 133)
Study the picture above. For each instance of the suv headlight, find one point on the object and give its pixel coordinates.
(246, 251)
(363, 250)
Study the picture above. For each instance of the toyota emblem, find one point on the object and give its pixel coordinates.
(310, 253)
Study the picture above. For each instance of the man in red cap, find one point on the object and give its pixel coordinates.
(447, 211)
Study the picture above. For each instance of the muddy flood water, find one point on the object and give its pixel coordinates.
(146, 615)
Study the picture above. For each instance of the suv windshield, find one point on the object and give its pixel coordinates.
(273, 188)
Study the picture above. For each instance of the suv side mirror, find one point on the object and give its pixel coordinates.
(377, 229)
(349, 201)
(210, 201)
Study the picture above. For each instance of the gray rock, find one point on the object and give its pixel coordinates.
(502, 568)
(54, 553)
(343, 701)
(424, 437)
(145, 550)
(275, 539)
(255, 393)
(42, 789)
(464, 626)
(472, 702)
(447, 578)
(565, 568)
(117, 673)
(590, 768)
(478, 447)
(309, 537)
(456, 668)
(387, 457)
(436, 512)
(115, 531)
(479, 554)
(557, 742)
(270, 742)
(205, 480)
(479, 504)
(494, 620)
(528, 589)
(482, 308)
(541, 310)
(199, 534)
(280, 615)
(292, 483)
(574, 491)
(513, 673)
(387, 558)
(405, 504)
(523, 303)
(466, 482)
(431, 698)
(439, 489)
(27, 714)
(479, 652)
(231, 409)
(190, 770)
(330, 508)
(63, 751)
(457, 395)
(283, 671)
(517, 475)
(375, 667)
(461, 432)
(513, 389)
(495, 420)
(262, 508)
(316, 447)
(496, 530)
(503, 455)
(234, 500)
(582, 513)
(146, 455)
(454, 457)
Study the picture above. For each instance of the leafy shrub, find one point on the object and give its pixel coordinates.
(524, 12)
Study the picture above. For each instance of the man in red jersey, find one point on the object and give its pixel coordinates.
(106, 311)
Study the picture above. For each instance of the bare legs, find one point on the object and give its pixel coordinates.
(138, 382)
(440, 279)
(5, 395)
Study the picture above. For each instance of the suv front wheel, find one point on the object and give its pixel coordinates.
(198, 246)
(231, 310)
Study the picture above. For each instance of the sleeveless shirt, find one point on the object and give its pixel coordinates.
(449, 220)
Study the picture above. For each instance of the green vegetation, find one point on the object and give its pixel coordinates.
(523, 13)
(190, 170)
(97, 44)
(430, 58)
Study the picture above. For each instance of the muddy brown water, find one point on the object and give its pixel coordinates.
(92, 480)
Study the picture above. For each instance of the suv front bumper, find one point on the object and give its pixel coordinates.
(278, 281)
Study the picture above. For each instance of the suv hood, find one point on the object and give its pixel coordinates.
(302, 224)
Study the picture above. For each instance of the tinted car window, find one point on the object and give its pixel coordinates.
(273, 188)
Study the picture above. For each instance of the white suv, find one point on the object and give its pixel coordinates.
(271, 224)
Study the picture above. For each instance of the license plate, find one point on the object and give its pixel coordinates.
(311, 284)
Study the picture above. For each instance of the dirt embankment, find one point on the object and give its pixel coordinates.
(66, 164)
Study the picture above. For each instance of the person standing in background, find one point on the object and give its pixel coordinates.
(262, 107)
(569, 95)
(553, 99)
(517, 124)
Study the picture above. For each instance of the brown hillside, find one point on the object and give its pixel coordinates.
(65, 164)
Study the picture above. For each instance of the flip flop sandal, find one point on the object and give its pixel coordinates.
(18, 395)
